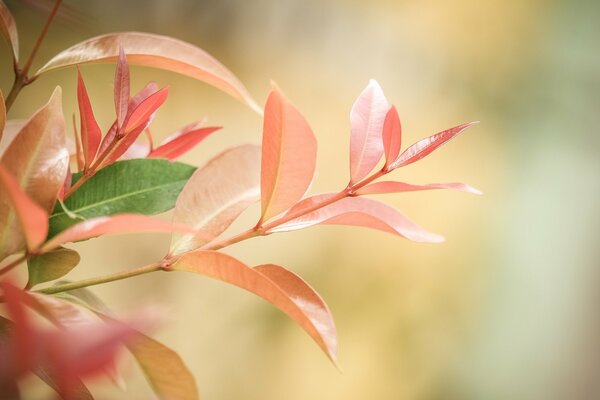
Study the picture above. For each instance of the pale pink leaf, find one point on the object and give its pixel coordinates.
(356, 211)
(278, 286)
(33, 219)
(121, 88)
(154, 51)
(366, 126)
(289, 156)
(182, 144)
(8, 29)
(216, 195)
(400, 187)
(392, 136)
(425, 146)
(90, 131)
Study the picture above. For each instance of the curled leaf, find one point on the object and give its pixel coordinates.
(216, 195)
(366, 125)
(357, 211)
(278, 286)
(289, 153)
(52, 265)
(400, 187)
(425, 146)
(8, 29)
(392, 136)
(90, 131)
(154, 51)
(182, 144)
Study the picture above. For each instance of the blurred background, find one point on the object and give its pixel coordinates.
(506, 308)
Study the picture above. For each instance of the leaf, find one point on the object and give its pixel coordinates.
(392, 136)
(11, 129)
(8, 29)
(33, 219)
(147, 107)
(52, 265)
(121, 223)
(2, 114)
(366, 126)
(216, 195)
(357, 211)
(182, 144)
(90, 131)
(425, 146)
(133, 186)
(278, 286)
(400, 187)
(121, 88)
(289, 156)
(154, 51)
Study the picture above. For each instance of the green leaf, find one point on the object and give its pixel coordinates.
(141, 186)
(50, 266)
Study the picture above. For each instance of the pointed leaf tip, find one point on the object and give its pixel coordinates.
(8, 29)
(90, 131)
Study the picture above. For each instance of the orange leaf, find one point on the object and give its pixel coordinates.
(115, 224)
(357, 211)
(90, 131)
(33, 219)
(8, 29)
(400, 187)
(289, 156)
(182, 144)
(37, 158)
(392, 136)
(11, 129)
(154, 51)
(425, 146)
(278, 286)
(366, 126)
(121, 88)
(216, 195)
(2, 114)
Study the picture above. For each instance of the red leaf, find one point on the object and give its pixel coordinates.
(366, 126)
(121, 88)
(216, 195)
(90, 131)
(278, 286)
(182, 144)
(392, 136)
(425, 146)
(33, 219)
(78, 150)
(154, 51)
(21, 357)
(121, 223)
(144, 111)
(400, 187)
(289, 156)
(8, 29)
(357, 211)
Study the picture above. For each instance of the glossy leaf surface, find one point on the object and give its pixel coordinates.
(358, 211)
(289, 153)
(400, 187)
(180, 145)
(133, 186)
(366, 125)
(52, 265)
(278, 286)
(90, 131)
(154, 51)
(425, 146)
(8, 29)
(216, 195)
(392, 136)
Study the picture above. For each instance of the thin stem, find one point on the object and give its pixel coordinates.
(21, 77)
(102, 279)
(13, 264)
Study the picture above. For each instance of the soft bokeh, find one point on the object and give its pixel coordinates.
(505, 309)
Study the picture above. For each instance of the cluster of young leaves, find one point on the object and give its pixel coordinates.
(122, 179)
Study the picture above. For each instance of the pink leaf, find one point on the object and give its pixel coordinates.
(154, 51)
(399, 187)
(8, 29)
(121, 223)
(289, 156)
(278, 286)
(11, 129)
(33, 219)
(136, 150)
(425, 146)
(90, 131)
(182, 144)
(216, 195)
(366, 126)
(392, 136)
(357, 211)
(121, 88)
